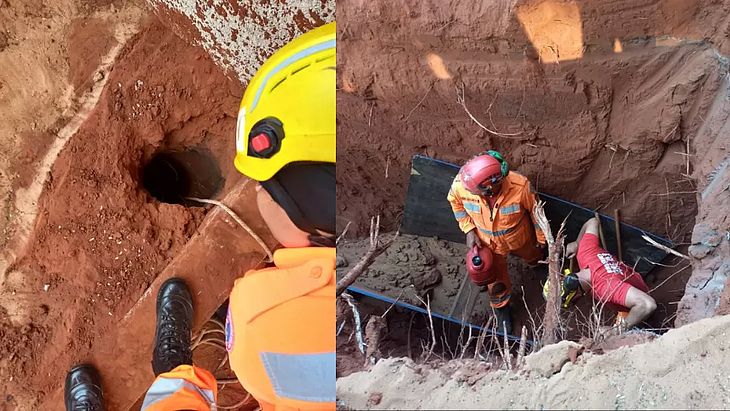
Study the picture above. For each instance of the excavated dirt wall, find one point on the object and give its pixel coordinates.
(602, 103)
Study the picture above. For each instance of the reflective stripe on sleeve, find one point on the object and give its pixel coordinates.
(305, 377)
(510, 209)
(164, 388)
(460, 214)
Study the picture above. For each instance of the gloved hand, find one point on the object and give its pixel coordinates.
(473, 239)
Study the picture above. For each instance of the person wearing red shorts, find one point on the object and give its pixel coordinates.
(612, 283)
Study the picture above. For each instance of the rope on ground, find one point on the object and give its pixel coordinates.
(239, 221)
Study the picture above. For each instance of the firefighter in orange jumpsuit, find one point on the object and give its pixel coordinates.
(280, 327)
(494, 207)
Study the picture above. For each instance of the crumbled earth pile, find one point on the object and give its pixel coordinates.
(680, 369)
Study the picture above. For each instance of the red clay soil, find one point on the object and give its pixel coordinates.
(88, 40)
(100, 239)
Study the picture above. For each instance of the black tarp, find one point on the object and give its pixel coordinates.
(428, 213)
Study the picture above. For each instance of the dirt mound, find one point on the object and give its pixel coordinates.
(650, 375)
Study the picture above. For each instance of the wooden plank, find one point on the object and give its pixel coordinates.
(212, 259)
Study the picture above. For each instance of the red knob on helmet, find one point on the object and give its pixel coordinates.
(479, 169)
(479, 265)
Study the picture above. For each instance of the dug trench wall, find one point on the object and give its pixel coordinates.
(611, 105)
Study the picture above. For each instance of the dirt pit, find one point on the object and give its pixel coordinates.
(592, 101)
(176, 176)
(416, 270)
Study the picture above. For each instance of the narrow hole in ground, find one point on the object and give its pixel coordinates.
(171, 176)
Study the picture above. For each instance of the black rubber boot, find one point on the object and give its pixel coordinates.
(174, 327)
(82, 391)
(504, 319)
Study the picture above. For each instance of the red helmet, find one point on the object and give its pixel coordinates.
(479, 169)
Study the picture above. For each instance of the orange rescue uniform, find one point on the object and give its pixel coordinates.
(280, 337)
(507, 227)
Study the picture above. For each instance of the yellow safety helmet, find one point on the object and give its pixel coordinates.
(287, 114)
(569, 286)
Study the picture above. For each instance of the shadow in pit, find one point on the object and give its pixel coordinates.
(171, 176)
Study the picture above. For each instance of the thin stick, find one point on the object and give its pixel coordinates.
(430, 320)
(392, 305)
(555, 244)
(408, 341)
(675, 192)
(600, 230)
(358, 327)
(339, 329)
(343, 233)
(480, 338)
(664, 248)
(535, 330)
(671, 132)
(370, 116)
(617, 225)
(239, 221)
(507, 356)
(376, 248)
(523, 345)
(670, 277)
(462, 102)
(688, 155)
(419, 102)
(466, 345)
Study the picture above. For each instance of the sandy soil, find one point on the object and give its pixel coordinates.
(650, 375)
(101, 239)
